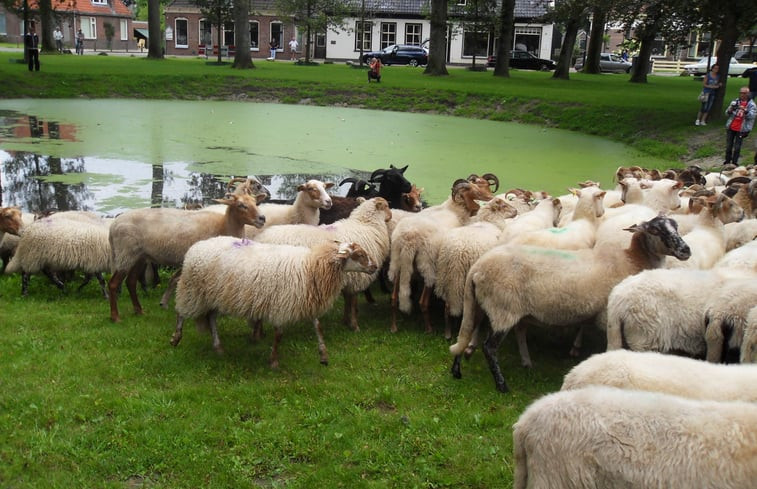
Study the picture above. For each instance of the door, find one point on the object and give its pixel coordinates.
(320, 46)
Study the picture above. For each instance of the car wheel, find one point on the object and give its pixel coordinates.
(543, 67)
(413, 63)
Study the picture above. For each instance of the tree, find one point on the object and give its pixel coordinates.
(242, 59)
(219, 12)
(155, 41)
(313, 16)
(573, 14)
(506, 21)
(437, 56)
(476, 19)
(596, 40)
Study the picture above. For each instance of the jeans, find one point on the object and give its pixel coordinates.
(733, 141)
(33, 59)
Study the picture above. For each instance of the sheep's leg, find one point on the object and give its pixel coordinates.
(477, 318)
(170, 288)
(575, 350)
(447, 323)
(395, 305)
(424, 303)
(177, 334)
(455, 370)
(53, 277)
(520, 338)
(347, 308)
(114, 285)
(490, 352)
(369, 296)
(131, 286)
(714, 335)
(211, 318)
(256, 326)
(324, 355)
(25, 284)
(101, 281)
(274, 360)
(350, 311)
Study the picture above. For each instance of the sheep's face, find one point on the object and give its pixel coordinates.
(391, 181)
(10, 220)
(355, 258)
(316, 194)
(497, 209)
(411, 201)
(245, 209)
(661, 237)
(727, 210)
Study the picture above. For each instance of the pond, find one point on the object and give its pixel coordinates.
(111, 155)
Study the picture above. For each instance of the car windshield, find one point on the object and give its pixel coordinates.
(389, 49)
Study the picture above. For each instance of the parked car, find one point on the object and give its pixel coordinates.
(399, 54)
(700, 67)
(746, 56)
(523, 60)
(609, 63)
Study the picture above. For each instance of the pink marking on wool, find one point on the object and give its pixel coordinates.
(242, 242)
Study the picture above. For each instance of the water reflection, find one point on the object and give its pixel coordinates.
(17, 126)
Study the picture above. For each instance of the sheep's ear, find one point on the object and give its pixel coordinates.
(328, 184)
(575, 192)
(360, 200)
(633, 228)
(228, 200)
(260, 198)
(301, 187)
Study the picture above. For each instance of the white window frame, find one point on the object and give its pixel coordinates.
(176, 32)
(201, 33)
(99, 2)
(88, 27)
(280, 38)
(413, 34)
(367, 36)
(257, 41)
(387, 36)
(3, 24)
(229, 27)
(124, 30)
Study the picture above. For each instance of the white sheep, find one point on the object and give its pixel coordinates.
(669, 374)
(279, 284)
(742, 258)
(726, 308)
(458, 248)
(62, 242)
(545, 215)
(603, 437)
(555, 287)
(311, 198)
(411, 243)
(162, 236)
(366, 226)
(12, 220)
(749, 345)
(740, 233)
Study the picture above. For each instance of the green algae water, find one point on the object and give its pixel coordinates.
(117, 144)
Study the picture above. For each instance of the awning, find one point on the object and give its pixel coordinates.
(144, 33)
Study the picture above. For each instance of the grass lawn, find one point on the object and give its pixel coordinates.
(88, 403)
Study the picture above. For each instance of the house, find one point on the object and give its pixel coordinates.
(386, 22)
(91, 16)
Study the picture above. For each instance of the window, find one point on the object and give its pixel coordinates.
(388, 34)
(254, 36)
(475, 43)
(3, 28)
(89, 27)
(658, 47)
(528, 39)
(228, 34)
(99, 2)
(181, 33)
(277, 32)
(124, 30)
(363, 36)
(413, 34)
(205, 36)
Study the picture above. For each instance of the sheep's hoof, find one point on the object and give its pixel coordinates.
(325, 362)
(502, 388)
(455, 370)
(175, 339)
(393, 328)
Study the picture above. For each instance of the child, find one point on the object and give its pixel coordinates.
(374, 73)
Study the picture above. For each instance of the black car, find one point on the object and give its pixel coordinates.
(399, 54)
(523, 60)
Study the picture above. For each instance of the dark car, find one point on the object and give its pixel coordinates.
(399, 54)
(523, 60)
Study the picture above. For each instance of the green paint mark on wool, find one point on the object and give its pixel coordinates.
(551, 252)
(558, 230)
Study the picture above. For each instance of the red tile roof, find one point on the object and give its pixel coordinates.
(114, 8)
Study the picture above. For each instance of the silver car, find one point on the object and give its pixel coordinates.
(609, 63)
(700, 68)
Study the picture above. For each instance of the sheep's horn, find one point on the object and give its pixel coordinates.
(377, 175)
(401, 170)
(738, 180)
(232, 183)
(493, 180)
(351, 180)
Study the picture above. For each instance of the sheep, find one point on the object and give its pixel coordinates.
(311, 197)
(707, 239)
(342, 206)
(555, 287)
(65, 241)
(739, 233)
(546, 214)
(391, 185)
(742, 258)
(668, 374)
(279, 284)
(749, 345)
(726, 311)
(11, 222)
(366, 226)
(412, 237)
(603, 437)
(458, 248)
(579, 232)
(163, 236)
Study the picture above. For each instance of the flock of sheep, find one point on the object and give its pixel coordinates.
(661, 263)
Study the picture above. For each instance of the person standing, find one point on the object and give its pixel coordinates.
(293, 49)
(31, 41)
(741, 113)
(274, 45)
(710, 84)
(79, 42)
(58, 36)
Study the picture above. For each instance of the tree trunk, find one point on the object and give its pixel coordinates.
(155, 41)
(729, 36)
(437, 56)
(594, 49)
(639, 70)
(242, 59)
(562, 71)
(46, 41)
(506, 21)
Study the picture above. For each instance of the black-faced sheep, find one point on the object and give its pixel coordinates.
(343, 206)
(162, 236)
(555, 287)
(603, 437)
(224, 275)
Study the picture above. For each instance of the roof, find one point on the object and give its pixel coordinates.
(113, 8)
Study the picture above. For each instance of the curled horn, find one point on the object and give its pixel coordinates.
(738, 180)
(231, 187)
(377, 175)
(492, 179)
(351, 180)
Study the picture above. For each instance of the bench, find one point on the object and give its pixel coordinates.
(208, 50)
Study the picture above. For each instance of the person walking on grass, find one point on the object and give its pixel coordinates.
(31, 41)
(58, 36)
(741, 113)
(273, 45)
(293, 49)
(710, 84)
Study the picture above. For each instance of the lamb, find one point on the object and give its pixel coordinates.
(458, 248)
(668, 374)
(726, 311)
(163, 236)
(603, 437)
(555, 287)
(311, 197)
(66, 241)
(366, 226)
(280, 284)
(412, 236)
